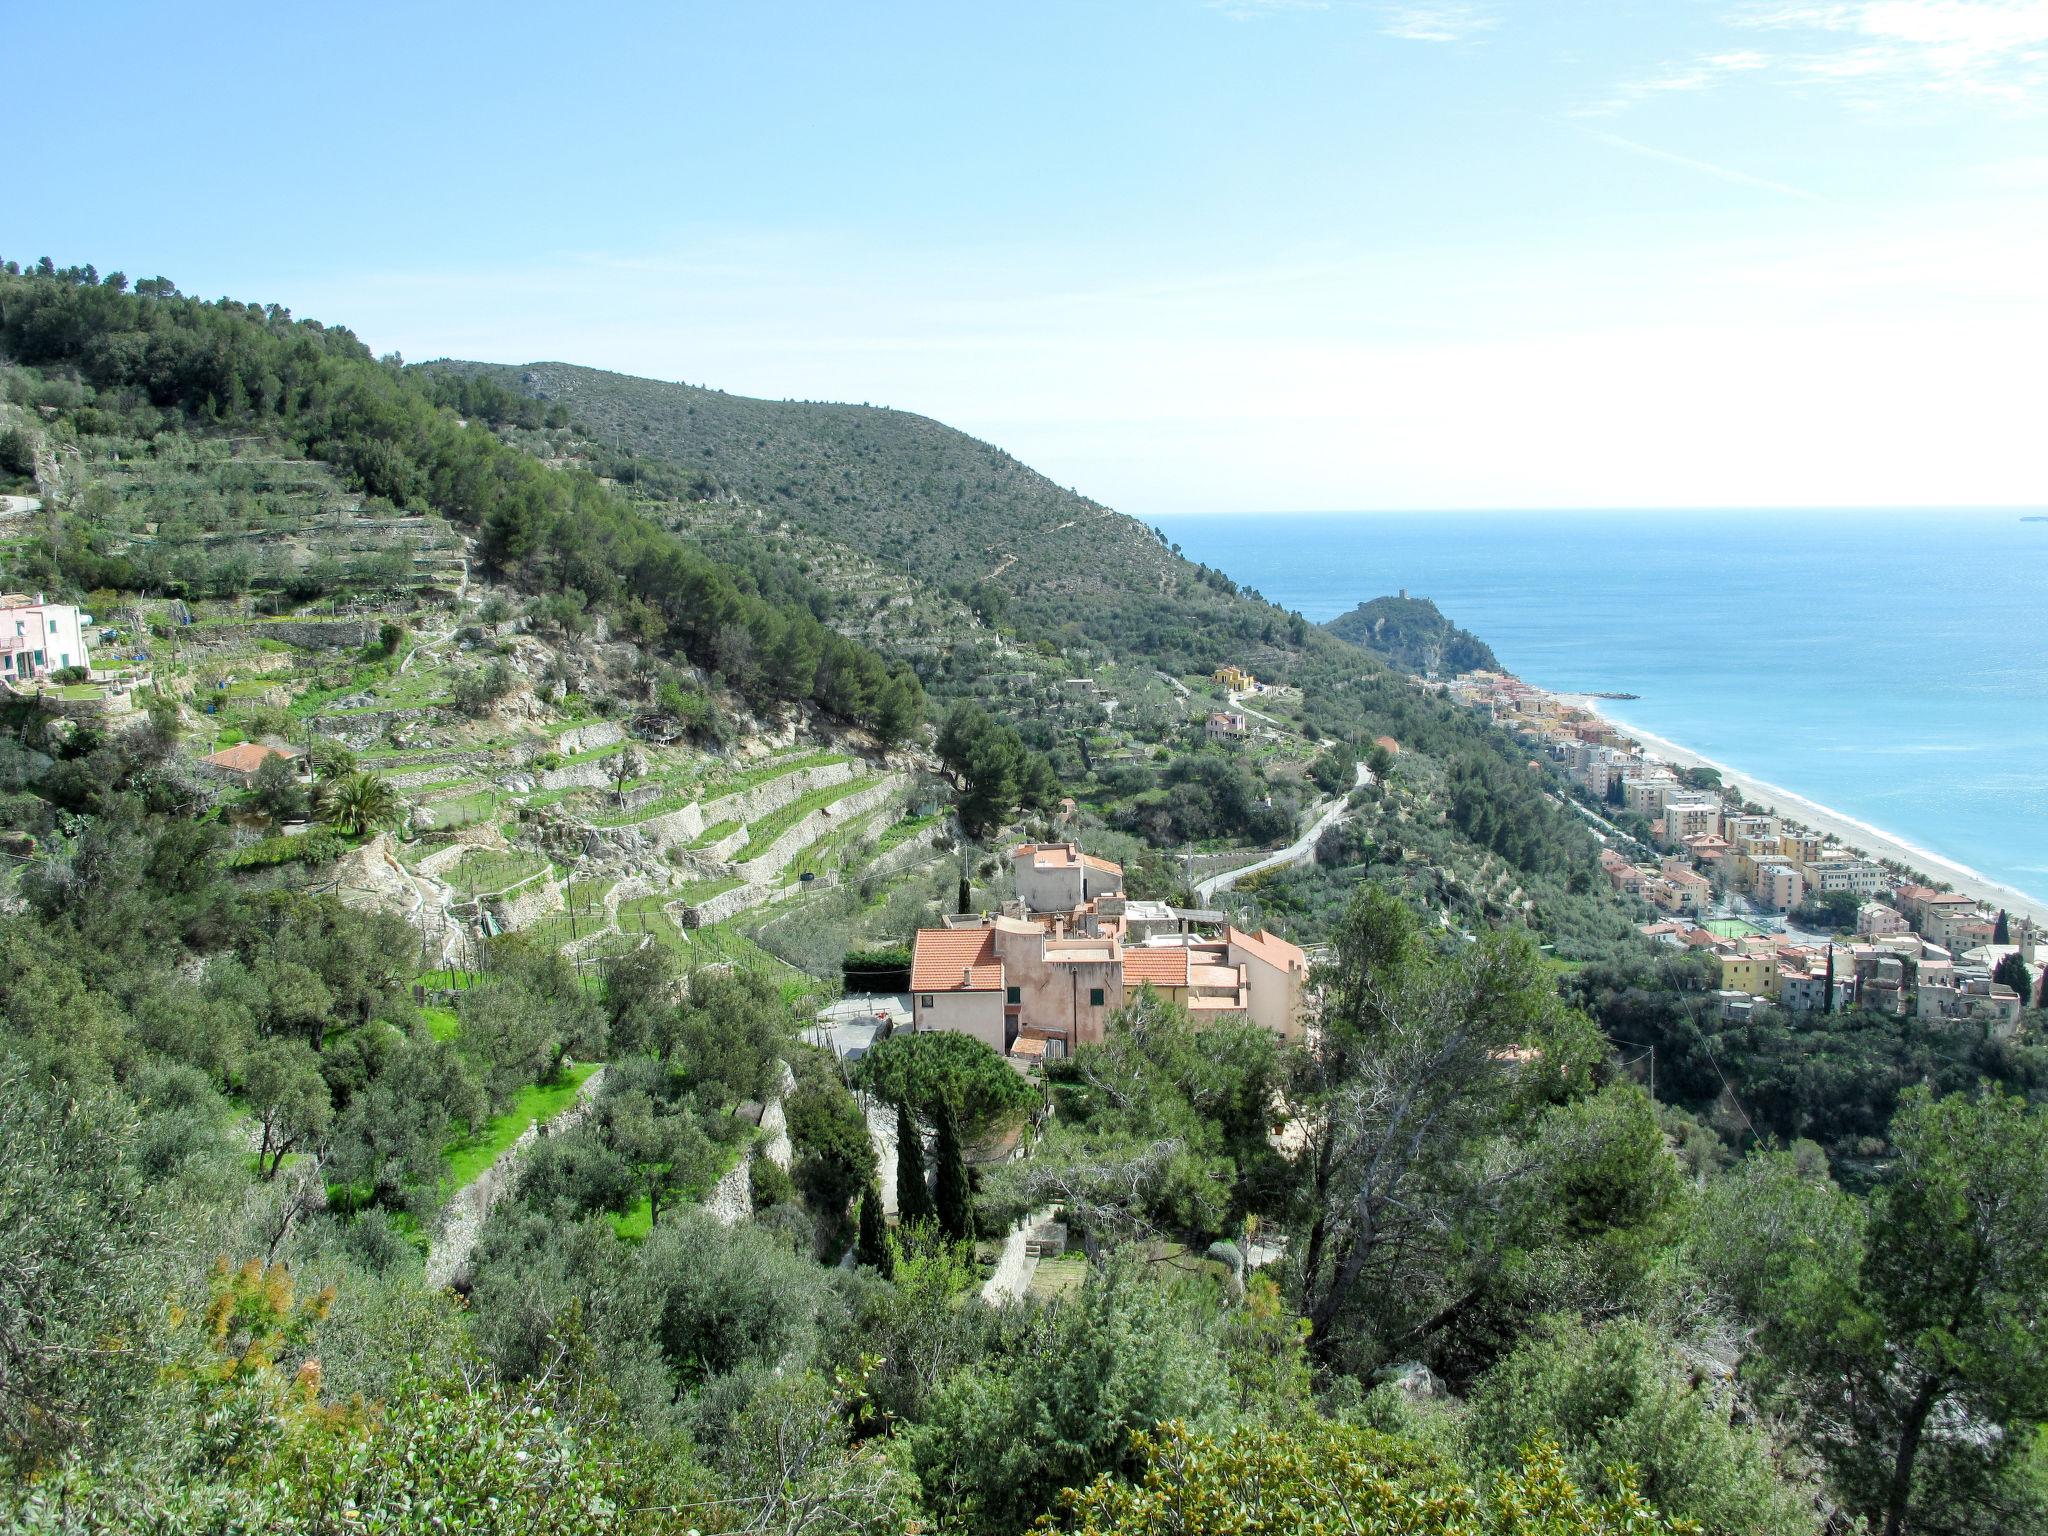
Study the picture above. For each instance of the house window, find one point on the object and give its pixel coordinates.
(1013, 995)
(1095, 997)
(927, 1001)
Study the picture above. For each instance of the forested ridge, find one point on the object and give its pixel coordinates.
(228, 364)
(1445, 1266)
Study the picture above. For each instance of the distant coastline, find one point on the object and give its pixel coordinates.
(1908, 713)
(1872, 842)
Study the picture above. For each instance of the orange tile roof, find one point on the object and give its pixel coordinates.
(1162, 967)
(248, 756)
(1269, 947)
(955, 960)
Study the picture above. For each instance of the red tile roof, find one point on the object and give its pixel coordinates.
(248, 756)
(955, 960)
(1162, 967)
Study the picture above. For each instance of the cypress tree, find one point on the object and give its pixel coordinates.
(2011, 971)
(2002, 934)
(872, 1246)
(956, 1215)
(913, 1195)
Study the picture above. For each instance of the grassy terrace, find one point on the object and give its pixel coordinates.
(904, 830)
(695, 792)
(485, 870)
(468, 1158)
(763, 832)
(695, 891)
(714, 832)
(457, 812)
(836, 850)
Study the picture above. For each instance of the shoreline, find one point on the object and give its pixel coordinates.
(1861, 837)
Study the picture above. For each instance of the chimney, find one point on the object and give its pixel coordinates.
(966, 975)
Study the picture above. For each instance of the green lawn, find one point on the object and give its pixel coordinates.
(468, 1158)
(441, 1022)
(1058, 1277)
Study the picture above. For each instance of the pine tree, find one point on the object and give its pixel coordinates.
(872, 1246)
(913, 1195)
(956, 1214)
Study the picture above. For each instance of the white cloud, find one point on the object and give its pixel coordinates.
(1441, 23)
(1875, 53)
(1995, 49)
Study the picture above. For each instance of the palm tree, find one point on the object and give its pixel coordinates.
(358, 802)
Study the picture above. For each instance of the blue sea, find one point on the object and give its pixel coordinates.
(1892, 666)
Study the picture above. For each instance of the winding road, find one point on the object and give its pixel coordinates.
(1300, 851)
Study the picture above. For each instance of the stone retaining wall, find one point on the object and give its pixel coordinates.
(772, 859)
(907, 852)
(529, 903)
(721, 852)
(596, 774)
(686, 824)
(726, 904)
(731, 1200)
(306, 634)
(765, 799)
(586, 738)
(463, 1219)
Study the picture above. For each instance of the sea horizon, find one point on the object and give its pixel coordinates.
(1810, 663)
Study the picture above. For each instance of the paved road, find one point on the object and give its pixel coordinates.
(1300, 851)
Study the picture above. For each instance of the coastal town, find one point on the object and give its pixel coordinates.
(1796, 919)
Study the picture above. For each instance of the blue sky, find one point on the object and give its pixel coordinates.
(1184, 256)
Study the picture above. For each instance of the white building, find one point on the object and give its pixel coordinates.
(38, 638)
(1058, 877)
(1834, 870)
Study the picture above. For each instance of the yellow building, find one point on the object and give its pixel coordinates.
(1747, 971)
(1236, 677)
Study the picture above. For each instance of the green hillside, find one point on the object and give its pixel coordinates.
(949, 509)
(1411, 633)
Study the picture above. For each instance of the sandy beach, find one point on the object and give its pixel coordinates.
(1872, 842)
